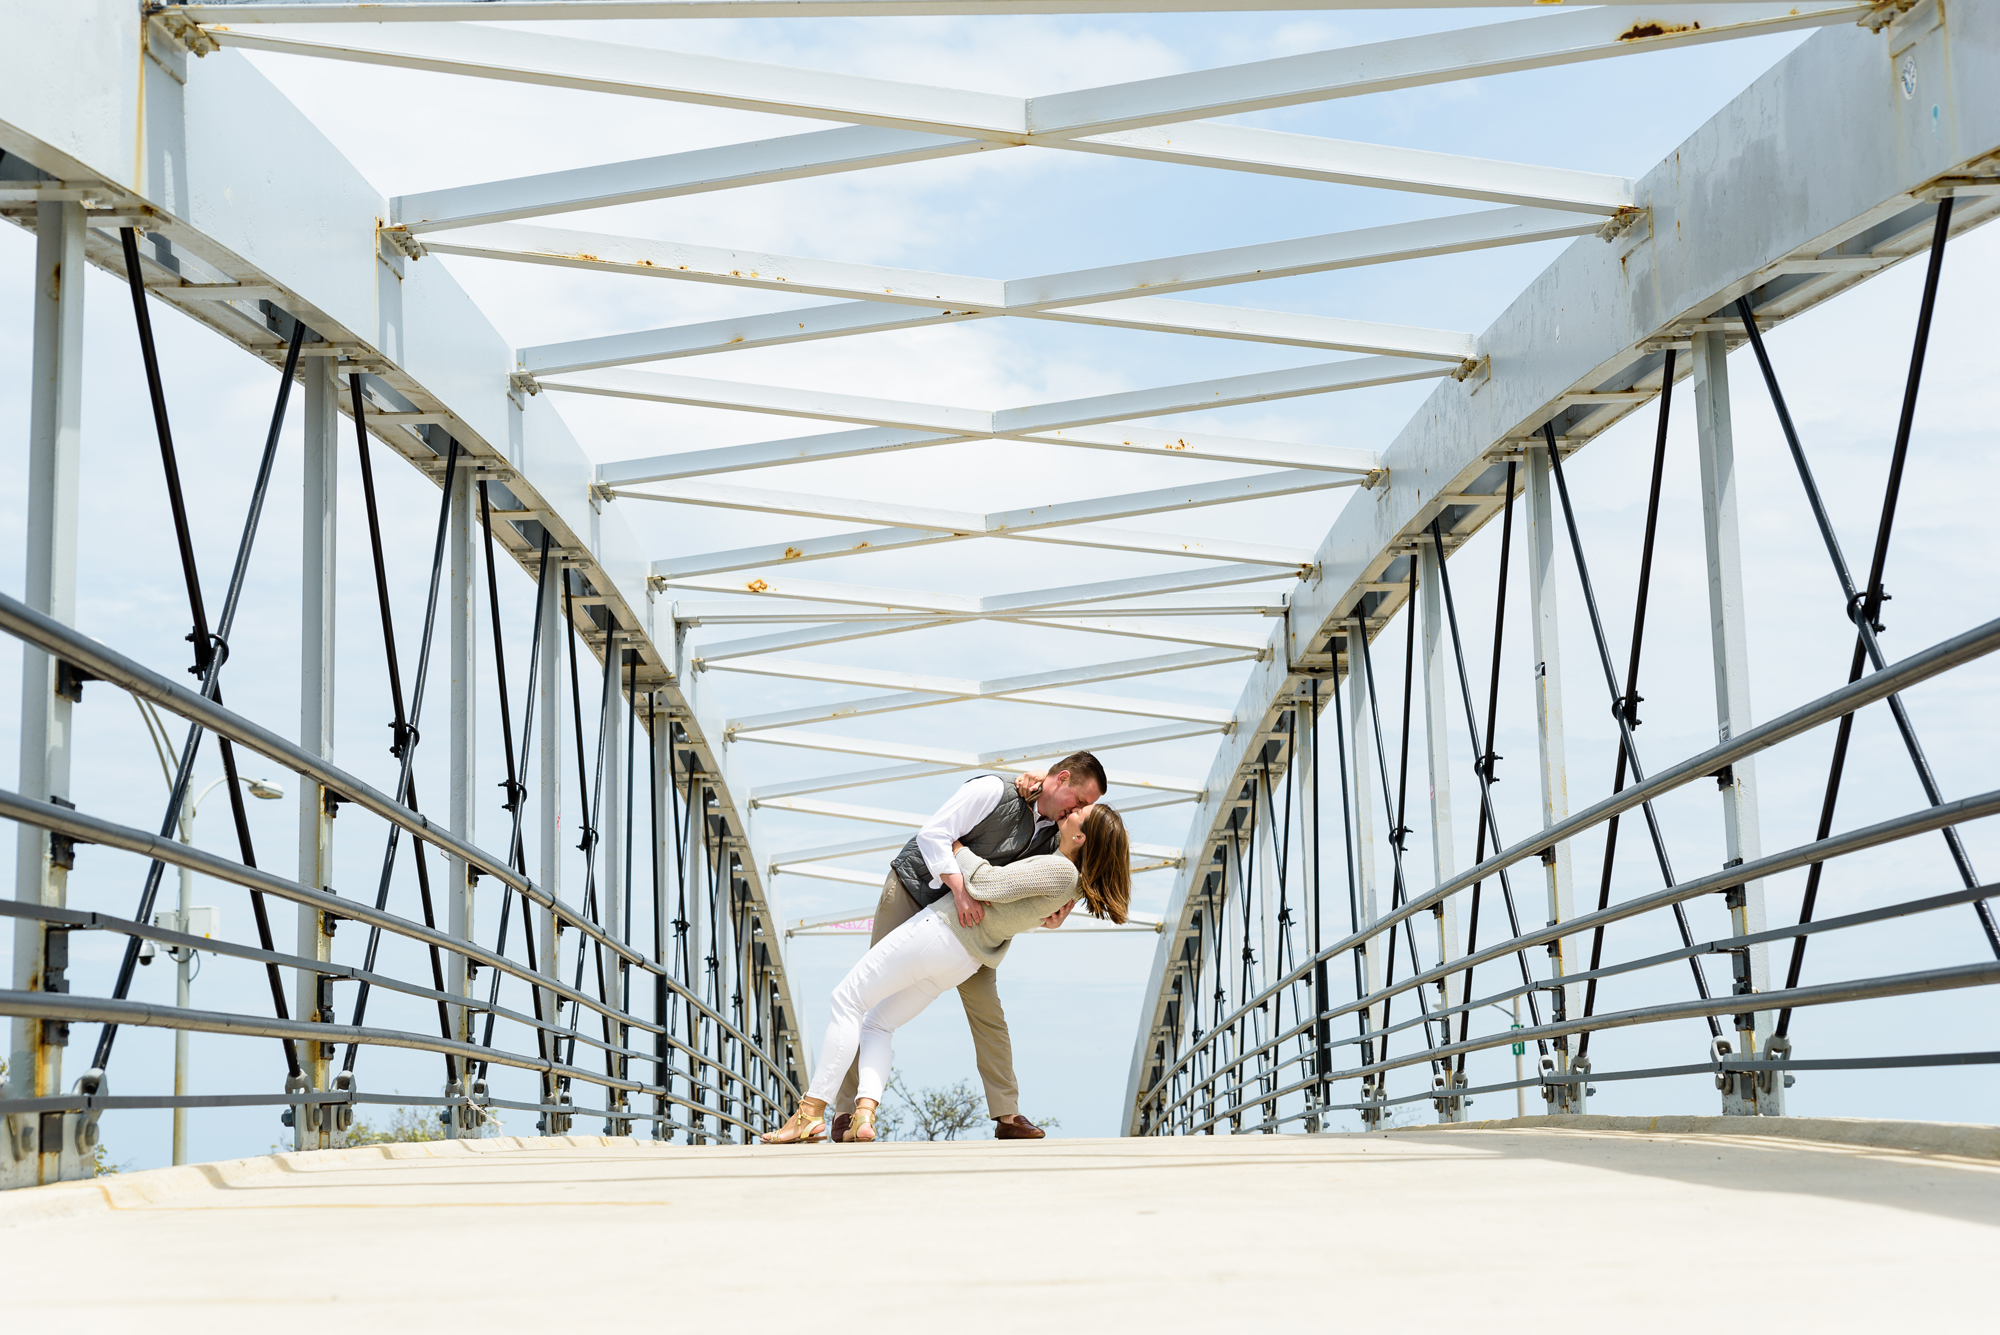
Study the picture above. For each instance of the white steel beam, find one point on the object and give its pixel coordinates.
(1420, 238)
(786, 158)
(877, 440)
(1152, 314)
(757, 612)
(1413, 62)
(1308, 157)
(55, 439)
(964, 524)
(1035, 420)
(914, 600)
(967, 688)
(523, 11)
(821, 853)
(515, 56)
(685, 262)
(1088, 701)
(901, 539)
(767, 454)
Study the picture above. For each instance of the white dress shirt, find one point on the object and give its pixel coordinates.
(971, 804)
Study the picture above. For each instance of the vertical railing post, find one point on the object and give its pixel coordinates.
(612, 842)
(1305, 763)
(1444, 845)
(42, 1148)
(1743, 1094)
(317, 1126)
(1564, 956)
(660, 757)
(551, 733)
(1364, 845)
(462, 578)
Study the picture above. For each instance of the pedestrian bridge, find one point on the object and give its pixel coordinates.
(1630, 1224)
(1371, 696)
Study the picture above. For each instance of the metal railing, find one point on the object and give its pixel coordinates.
(1242, 1068)
(703, 1067)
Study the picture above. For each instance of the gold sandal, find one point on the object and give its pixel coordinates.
(862, 1130)
(804, 1127)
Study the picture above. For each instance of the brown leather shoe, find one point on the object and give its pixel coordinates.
(836, 1130)
(1016, 1127)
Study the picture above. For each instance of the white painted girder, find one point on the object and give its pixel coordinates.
(1034, 420)
(916, 600)
(519, 11)
(519, 56)
(679, 261)
(1412, 62)
(878, 440)
(1008, 522)
(1150, 314)
(864, 147)
(874, 540)
(730, 166)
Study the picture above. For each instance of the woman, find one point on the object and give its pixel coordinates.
(931, 952)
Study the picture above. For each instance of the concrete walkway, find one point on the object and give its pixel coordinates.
(1485, 1229)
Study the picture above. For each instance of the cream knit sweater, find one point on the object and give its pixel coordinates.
(1017, 897)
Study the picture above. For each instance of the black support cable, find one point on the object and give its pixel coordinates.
(1618, 711)
(1347, 811)
(408, 736)
(516, 790)
(1632, 696)
(210, 649)
(1487, 761)
(1396, 846)
(1864, 605)
(1489, 820)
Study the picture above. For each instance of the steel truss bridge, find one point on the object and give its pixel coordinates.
(1307, 964)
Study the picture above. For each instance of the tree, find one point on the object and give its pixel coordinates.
(935, 1113)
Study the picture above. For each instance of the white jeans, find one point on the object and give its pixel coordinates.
(892, 984)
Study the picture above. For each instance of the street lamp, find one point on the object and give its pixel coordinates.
(182, 920)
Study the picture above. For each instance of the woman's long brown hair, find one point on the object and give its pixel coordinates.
(1104, 867)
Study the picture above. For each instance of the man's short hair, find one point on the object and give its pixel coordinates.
(1084, 765)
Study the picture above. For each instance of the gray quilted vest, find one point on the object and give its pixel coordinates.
(1006, 835)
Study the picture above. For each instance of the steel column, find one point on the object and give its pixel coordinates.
(1741, 838)
(1437, 737)
(462, 612)
(660, 756)
(551, 736)
(41, 1148)
(313, 1127)
(1358, 726)
(1565, 953)
(611, 842)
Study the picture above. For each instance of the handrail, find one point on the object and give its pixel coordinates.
(1894, 679)
(107, 664)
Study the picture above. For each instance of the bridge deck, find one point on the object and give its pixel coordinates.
(1499, 1228)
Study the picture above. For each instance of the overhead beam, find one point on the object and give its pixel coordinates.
(729, 167)
(680, 261)
(963, 523)
(525, 11)
(1032, 420)
(1413, 62)
(880, 440)
(847, 319)
(1075, 595)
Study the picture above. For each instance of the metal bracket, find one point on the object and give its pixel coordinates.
(1620, 222)
(399, 239)
(90, 1083)
(184, 30)
(523, 382)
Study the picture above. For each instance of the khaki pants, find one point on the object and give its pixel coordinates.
(979, 994)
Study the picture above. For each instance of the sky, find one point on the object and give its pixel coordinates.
(1072, 1000)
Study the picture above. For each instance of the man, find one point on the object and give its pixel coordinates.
(1002, 823)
